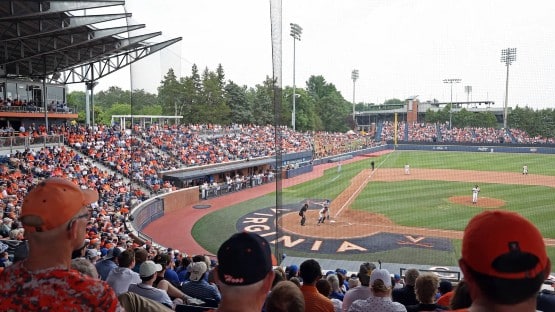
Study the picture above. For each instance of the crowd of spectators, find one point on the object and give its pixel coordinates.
(442, 133)
(329, 144)
(105, 158)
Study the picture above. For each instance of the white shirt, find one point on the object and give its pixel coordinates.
(377, 304)
(353, 294)
(120, 279)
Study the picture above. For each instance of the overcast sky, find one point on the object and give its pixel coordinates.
(401, 48)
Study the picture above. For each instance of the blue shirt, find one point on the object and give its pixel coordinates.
(104, 267)
(202, 290)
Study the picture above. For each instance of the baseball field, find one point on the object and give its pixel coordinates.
(386, 214)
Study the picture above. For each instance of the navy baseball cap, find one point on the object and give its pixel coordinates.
(244, 259)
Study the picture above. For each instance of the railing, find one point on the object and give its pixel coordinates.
(35, 109)
(12, 143)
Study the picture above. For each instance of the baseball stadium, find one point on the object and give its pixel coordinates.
(315, 175)
(401, 220)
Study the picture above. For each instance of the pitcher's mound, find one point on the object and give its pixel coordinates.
(483, 202)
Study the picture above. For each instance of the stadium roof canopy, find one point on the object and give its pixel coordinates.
(197, 172)
(57, 42)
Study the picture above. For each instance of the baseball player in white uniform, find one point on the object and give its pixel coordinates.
(475, 191)
(407, 169)
(324, 212)
(525, 170)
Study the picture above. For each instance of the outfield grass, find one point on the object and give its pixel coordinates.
(410, 203)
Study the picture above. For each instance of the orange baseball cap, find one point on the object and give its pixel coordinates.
(505, 245)
(53, 202)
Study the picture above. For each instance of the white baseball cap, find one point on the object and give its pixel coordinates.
(381, 274)
(197, 269)
(148, 268)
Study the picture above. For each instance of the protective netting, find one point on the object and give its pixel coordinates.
(276, 33)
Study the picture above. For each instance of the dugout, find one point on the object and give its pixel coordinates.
(295, 163)
(194, 176)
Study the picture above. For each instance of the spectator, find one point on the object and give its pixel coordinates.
(324, 287)
(461, 296)
(109, 263)
(165, 261)
(426, 288)
(360, 292)
(506, 270)
(146, 289)
(292, 271)
(406, 295)
(244, 273)
(141, 255)
(546, 301)
(446, 292)
(54, 215)
(353, 282)
(198, 287)
(133, 302)
(84, 266)
(335, 290)
(285, 297)
(121, 277)
(92, 255)
(399, 283)
(310, 272)
(380, 301)
(161, 282)
(279, 275)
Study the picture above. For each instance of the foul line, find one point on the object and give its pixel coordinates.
(357, 191)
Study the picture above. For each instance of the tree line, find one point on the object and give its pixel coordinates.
(208, 97)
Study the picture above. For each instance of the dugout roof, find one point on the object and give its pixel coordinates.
(202, 172)
(57, 41)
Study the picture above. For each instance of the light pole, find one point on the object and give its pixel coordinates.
(508, 56)
(296, 32)
(451, 81)
(468, 90)
(354, 76)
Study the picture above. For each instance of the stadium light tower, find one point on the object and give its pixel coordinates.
(468, 90)
(451, 81)
(508, 56)
(354, 76)
(296, 32)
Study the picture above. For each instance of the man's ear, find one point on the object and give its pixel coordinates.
(216, 276)
(547, 270)
(472, 287)
(268, 281)
(72, 229)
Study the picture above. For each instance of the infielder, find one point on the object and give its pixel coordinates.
(475, 191)
(407, 169)
(525, 170)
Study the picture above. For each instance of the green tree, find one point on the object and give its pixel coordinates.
(394, 101)
(215, 109)
(152, 110)
(116, 109)
(333, 110)
(113, 95)
(263, 105)
(240, 108)
(170, 93)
